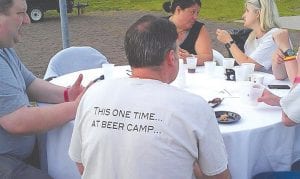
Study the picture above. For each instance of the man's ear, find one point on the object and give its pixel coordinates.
(171, 57)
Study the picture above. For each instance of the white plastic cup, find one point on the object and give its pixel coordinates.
(249, 69)
(108, 70)
(256, 78)
(240, 73)
(256, 91)
(228, 63)
(191, 64)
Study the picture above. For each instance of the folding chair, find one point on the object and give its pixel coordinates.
(74, 59)
(218, 57)
(278, 175)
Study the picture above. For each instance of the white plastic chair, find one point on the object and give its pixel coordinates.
(218, 57)
(74, 59)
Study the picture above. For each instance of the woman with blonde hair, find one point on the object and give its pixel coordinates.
(193, 37)
(261, 16)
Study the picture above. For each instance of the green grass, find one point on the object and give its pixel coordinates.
(217, 10)
(104, 5)
(228, 10)
(222, 10)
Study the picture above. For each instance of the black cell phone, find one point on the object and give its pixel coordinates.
(279, 86)
(230, 74)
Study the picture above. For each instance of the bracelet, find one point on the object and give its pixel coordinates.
(228, 45)
(297, 79)
(66, 95)
(288, 58)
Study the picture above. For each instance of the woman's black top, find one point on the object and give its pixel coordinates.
(189, 43)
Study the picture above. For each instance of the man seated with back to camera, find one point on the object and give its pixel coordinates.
(142, 127)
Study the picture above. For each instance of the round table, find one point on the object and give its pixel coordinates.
(258, 142)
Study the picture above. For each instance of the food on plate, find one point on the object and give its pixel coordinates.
(224, 117)
(215, 102)
(227, 117)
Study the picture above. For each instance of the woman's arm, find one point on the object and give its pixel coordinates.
(282, 40)
(239, 56)
(203, 47)
(293, 67)
(278, 66)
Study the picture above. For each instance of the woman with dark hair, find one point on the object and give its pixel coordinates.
(193, 37)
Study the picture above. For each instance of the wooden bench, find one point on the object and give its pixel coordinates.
(80, 7)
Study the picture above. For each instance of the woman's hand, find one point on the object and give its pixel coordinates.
(183, 53)
(223, 36)
(278, 57)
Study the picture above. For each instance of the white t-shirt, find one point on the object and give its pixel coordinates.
(290, 104)
(262, 49)
(145, 129)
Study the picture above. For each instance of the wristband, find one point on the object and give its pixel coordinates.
(297, 79)
(228, 45)
(66, 95)
(289, 58)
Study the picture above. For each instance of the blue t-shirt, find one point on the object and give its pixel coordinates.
(14, 79)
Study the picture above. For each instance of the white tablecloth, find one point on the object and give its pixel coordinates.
(258, 142)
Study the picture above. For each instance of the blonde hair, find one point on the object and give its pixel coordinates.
(268, 14)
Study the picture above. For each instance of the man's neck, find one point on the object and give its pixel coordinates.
(154, 73)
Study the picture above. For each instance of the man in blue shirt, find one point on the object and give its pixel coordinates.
(18, 121)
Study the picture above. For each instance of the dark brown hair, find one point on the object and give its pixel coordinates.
(170, 6)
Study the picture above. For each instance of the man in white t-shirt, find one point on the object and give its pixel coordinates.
(142, 127)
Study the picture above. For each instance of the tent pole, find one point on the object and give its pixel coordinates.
(64, 23)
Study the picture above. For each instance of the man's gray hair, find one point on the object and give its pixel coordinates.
(148, 41)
